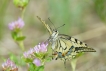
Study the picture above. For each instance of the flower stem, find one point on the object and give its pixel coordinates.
(23, 11)
(73, 64)
(21, 45)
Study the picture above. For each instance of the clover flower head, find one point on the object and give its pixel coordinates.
(9, 65)
(16, 24)
(28, 53)
(41, 47)
(25, 54)
(37, 62)
(36, 49)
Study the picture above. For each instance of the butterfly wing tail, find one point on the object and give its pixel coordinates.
(89, 50)
(84, 49)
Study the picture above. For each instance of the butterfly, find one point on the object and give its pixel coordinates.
(65, 46)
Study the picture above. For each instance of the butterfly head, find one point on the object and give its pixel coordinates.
(53, 36)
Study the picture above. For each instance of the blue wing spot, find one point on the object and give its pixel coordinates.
(60, 55)
(70, 50)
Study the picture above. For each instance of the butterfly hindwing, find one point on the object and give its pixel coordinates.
(67, 47)
(78, 44)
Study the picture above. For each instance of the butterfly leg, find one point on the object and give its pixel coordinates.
(65, 62)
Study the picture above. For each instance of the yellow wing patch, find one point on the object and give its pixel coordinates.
(68, 47)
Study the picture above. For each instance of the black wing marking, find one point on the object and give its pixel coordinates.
(79, 46)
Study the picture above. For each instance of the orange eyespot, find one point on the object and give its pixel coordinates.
(63, 54)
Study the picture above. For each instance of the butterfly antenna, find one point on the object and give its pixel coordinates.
(51, 22)
(60, 26)
(54, 25)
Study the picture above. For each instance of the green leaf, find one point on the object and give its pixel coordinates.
(37, 55)
(14, 35)
(48, 59)
(41, 55)
(40, 68)
(32, 67)
(79, 54)
(16, 59)
(44, 55)
(27, 60)
(20, 38)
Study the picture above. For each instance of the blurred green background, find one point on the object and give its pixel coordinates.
(83, 19)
